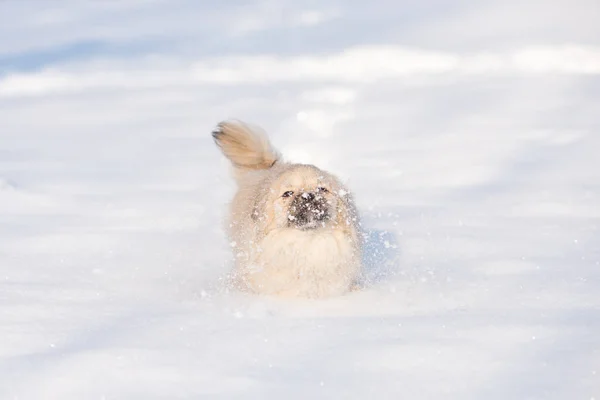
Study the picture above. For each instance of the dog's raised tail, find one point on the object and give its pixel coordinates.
(248, 149)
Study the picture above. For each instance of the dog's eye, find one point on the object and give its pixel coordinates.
(287, 194)
(322, 189)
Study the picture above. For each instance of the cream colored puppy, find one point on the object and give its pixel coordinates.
(294, 228)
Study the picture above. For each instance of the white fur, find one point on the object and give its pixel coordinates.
(294, 263)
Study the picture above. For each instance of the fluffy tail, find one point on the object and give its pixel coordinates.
(247, 149)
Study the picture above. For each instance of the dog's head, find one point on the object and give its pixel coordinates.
(306, 198)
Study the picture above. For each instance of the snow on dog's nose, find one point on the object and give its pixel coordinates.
(308, 210)
(308, 196)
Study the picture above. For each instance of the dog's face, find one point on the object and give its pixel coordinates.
(305, 198)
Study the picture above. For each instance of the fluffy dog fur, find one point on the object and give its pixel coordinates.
(294, 227)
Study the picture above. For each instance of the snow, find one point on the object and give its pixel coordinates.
(468, 134)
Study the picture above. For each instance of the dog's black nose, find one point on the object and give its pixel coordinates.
(308, 196)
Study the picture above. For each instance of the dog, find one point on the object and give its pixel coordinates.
(294, 228)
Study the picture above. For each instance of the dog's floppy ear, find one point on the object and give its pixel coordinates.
(259, 206)
(348, 214)
(256, 210)
(263, 212)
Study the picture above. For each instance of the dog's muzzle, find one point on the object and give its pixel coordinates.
(308, 211)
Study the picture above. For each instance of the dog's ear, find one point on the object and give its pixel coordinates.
(255, 210)
(259, 206)
(348, 214)
(263, 212)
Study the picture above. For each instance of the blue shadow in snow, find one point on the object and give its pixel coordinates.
(381, 257)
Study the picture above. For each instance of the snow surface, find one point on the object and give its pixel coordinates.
(468, 130)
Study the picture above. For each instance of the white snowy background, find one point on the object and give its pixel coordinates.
(468, 130)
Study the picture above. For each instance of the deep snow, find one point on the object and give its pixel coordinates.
(469, 134)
